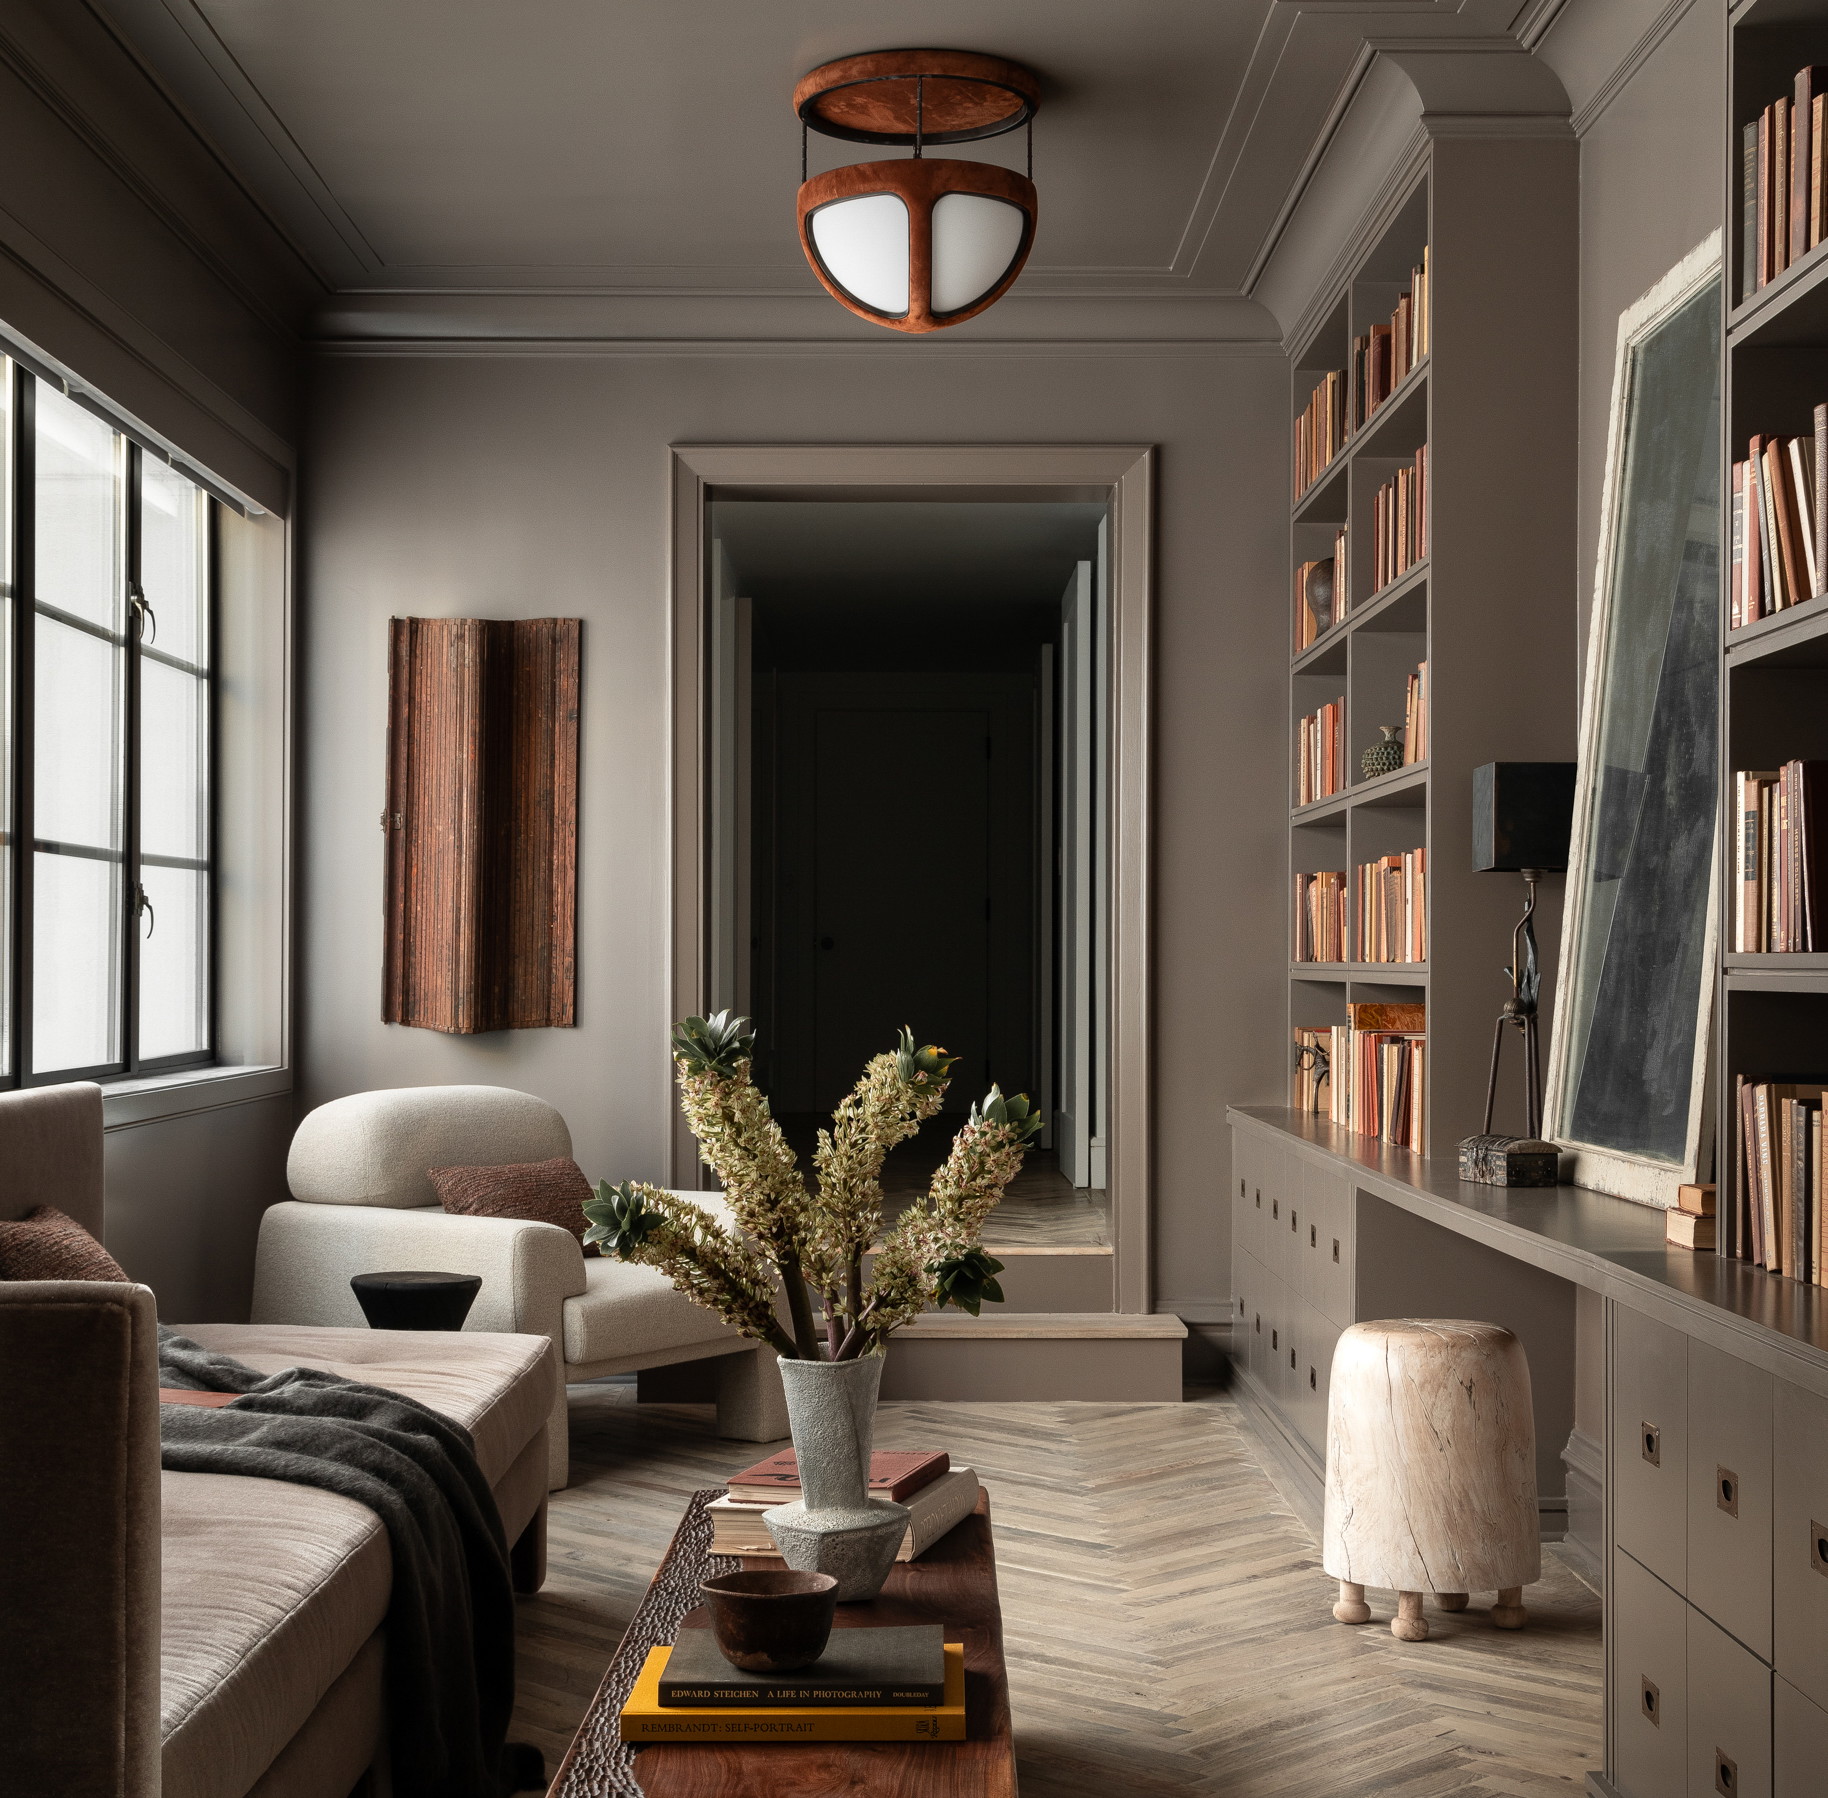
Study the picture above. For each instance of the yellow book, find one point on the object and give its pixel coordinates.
(645, 1719)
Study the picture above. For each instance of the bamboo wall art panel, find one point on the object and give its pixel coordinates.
(481, 823)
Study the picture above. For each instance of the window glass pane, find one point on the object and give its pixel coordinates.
(173, 959)
(76, 912)
(172, 561)
(77, 754)
(75, 552)
(172, 761)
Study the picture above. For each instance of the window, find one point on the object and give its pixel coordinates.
(105, 727)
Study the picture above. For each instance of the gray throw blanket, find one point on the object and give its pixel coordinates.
(450, 1617)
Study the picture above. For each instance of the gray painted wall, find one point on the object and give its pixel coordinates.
(508, 484)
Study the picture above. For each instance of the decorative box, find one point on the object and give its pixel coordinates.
(1510, 1161)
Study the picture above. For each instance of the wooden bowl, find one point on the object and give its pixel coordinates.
(771, 1622)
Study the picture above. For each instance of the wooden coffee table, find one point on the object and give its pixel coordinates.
(954, 1583)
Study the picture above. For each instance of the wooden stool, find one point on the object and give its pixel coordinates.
(1431, 1470)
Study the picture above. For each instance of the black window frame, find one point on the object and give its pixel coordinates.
(26, 609)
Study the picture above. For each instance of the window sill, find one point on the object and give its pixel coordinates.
(128, 1102)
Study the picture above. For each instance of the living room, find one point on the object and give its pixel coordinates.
(517, 523)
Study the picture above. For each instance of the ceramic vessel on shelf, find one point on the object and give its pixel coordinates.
(1319, 596)
(834, 1526)
(1385, 757)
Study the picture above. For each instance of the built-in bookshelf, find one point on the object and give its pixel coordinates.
(1432, 400)
(1772, 973)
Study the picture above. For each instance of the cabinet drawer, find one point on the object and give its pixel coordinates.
(1248, 1289)
(1650, 1443)
(1799, 1743)
(1317, 1339)
(1729, 1494)
(1284, 1220)
(1247, 1206)
(1729, 1715)
(1648, 1703)
(1799, 1540)
(1329, 1239)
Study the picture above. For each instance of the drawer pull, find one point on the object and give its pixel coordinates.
(1313, 1236)
(1241, 1185)
(1726, 1490)
(1726, 1775)
(1650, 1442)
(1275, 1207)
(1335, 1251)
(1291, 1357)
(1313, 1381)
(1650, 1701)
(1259, 1198)
(1272, 1338)
(1294, 1222)
(1818, 1549)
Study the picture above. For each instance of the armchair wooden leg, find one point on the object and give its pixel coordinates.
(527, 1558)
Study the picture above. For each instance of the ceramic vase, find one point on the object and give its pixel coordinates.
(1385, 757)
(834, 1526)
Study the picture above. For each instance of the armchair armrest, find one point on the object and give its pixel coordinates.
(308, 1254)
(79, 1507)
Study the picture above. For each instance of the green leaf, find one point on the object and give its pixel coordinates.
(921, 1067)
(620, 1219)
(1014, 1113)
(967, 1281)
(713, 1045)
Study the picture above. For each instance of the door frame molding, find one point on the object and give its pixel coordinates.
(1122, 475)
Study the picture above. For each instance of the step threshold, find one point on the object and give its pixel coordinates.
(1042, 1325)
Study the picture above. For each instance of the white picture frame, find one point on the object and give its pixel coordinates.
(1614, 1167)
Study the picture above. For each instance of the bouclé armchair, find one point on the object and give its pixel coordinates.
(362, 1203)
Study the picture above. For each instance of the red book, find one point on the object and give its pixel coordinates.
(894, 1473)
(177, 1395)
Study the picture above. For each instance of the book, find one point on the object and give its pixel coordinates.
(894, 1473)
(1748, 211)
(1684, 1230)
(1365, 1015)
(1415, 716)
(1697, 1201)
(737, 1526)
(1392, 908)
(180, 1395)
(1780, 856)
(899, 1664)
(1777, 1211)
(1377, 1076)
(645, 1719)
(1320, 916)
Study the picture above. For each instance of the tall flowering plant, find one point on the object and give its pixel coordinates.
(807, 1246)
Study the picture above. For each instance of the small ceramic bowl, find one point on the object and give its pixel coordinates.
(771, 1622)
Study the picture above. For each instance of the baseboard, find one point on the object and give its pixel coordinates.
(1599, 1786)
(1196, 1311)
(1043, 1357)
(1294, 1469)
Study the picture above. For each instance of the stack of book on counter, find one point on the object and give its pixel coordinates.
(1782, 900)
(1780, 525)
(901, 1683)
(1377, 1067)
(937, 1494)
(1780, 1192)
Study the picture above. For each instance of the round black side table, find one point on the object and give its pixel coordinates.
(416, 1301)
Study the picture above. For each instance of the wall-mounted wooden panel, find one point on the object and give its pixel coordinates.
(481, 822)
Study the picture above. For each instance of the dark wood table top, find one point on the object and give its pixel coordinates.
(954, 1583)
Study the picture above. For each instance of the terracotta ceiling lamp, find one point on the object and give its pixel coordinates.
(925, 243)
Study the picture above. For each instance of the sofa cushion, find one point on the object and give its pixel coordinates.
(46, 1245)
(536, 1192)
(627, 1310)
(268, 1592)
(499, 1387)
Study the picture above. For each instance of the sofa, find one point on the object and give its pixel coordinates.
(172, 1635)
(362, 1202)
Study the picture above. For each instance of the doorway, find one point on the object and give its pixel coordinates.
(908, 697)
(920, 784)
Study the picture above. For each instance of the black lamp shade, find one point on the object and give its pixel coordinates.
(1523, 816)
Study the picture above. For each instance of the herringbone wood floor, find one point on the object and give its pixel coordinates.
(1167, 1624)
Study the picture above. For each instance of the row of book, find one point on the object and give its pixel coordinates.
(1320, 430)
(1320, 594)
(1320, 916)
(1779, 526)
(1383, 357)
(1415, 716)
(1368, 1074)
(1781, 905)
(1320, 757)
(1781, 211)
(1393, 907)
(1779, 1206)
(1399, 523)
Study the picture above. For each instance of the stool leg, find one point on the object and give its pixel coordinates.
(1508, 1612)
(1451, 1601)
(1352, 1607)
(1409, 1625)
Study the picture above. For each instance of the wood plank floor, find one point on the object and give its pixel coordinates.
(1168, 1627)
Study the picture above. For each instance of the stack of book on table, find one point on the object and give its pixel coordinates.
(937, 1494)
(901, 1683)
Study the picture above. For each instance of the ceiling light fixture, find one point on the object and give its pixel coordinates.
(930, 242)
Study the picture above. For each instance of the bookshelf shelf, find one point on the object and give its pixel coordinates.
(1497, 225)
(1793, 309)
(1796, 637)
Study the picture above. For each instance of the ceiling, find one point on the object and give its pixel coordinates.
(648, 146)
(904, 584)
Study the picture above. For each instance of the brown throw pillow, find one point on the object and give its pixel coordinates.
(46, 1245)
(541, 1192)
